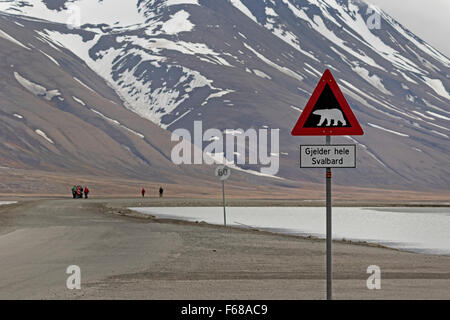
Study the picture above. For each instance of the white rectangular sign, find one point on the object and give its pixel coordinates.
(332, 156)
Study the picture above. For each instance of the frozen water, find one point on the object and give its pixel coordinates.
(417, 229)
(7, 202)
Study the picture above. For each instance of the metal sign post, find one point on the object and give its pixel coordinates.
(329, 229)
(224, 205)
(223, 173)
(327, 113)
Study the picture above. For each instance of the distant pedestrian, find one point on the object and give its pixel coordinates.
(74, 191)
(79, 192)
(143, 192)
(86, 192)
(161, 190)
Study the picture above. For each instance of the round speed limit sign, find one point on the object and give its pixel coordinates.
(223, 172)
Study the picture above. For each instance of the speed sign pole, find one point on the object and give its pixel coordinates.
(224, 204)
(223, 173)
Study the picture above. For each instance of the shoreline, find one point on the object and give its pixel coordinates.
(126, 211)
(236, 202)
(107, 205)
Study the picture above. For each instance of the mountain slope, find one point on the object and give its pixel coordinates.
(253, 64)
(53, 118)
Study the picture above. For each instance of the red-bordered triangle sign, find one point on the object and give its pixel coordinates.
(327, 113)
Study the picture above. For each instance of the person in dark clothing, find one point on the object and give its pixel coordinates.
(161, 190)
(74, 191)
(143, 192)
(86, 192)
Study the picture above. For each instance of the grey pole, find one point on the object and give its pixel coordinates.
(223, 195)
(329, 230)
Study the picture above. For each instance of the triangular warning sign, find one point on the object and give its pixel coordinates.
(327, 113)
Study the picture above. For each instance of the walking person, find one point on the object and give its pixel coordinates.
(79, 192)
(161, 190)
(143, 192)
(86, 192)
(74, 191)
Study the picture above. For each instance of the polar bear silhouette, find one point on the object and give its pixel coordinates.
(330, 115)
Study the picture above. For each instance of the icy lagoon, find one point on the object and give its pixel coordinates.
(417, 229)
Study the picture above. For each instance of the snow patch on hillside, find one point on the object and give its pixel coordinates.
(289, 38)
(157, 45)
(318, 24)
(217, 95)
(422, 115)
(50, 57)
(44, 135)
(440, 134)
(72, 42)
(270, 12)
(176, 2)
(367, 150)
(79, 101)
(358, 24)
(406, 77)
(35, 88)
(117, 13)
(240, 6)
(424, 47)
(261, 74)
(440, 116)
(296, 109)
(6, 36)
(84, 85)
(156, 102)
(117, 123)
(373, 79)
(284, 70)
(437, 86)
(177, 23)
(388, 130)
(129, 84)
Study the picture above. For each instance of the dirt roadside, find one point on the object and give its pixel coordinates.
(128, 257)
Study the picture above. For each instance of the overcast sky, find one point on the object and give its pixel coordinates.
(428, 19)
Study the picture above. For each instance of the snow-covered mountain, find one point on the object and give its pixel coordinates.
(253, 64)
